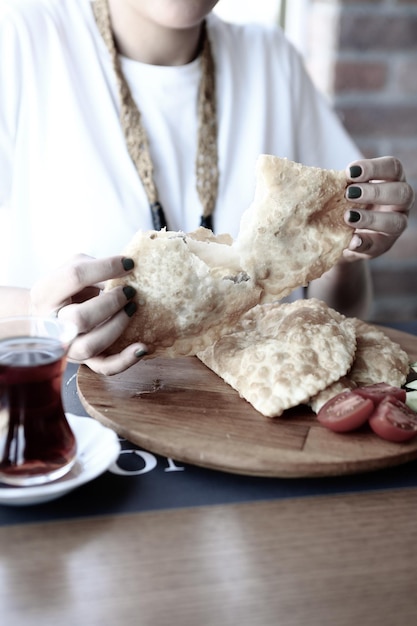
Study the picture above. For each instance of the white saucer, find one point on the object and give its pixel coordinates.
(97, 448)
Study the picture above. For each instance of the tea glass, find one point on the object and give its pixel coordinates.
(37, 444)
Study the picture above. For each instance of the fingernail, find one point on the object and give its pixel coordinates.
(128, 264)
(140, 353)
(355, 243)
(354, 192)
(355, 171)
(130, 309)
(129, 292)
(354, 216)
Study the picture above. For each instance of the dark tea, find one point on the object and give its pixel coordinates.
(36, 441)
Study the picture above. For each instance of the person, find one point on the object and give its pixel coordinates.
(105, 107)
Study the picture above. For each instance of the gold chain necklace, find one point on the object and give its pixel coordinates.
(206, 166)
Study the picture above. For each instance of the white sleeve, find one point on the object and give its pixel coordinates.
(322, 140)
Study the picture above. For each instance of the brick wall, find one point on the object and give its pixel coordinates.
(364, 56)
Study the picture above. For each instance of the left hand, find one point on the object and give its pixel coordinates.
(379, 184)
(74, 292)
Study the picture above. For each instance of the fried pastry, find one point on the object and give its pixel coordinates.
(377, 359)
(192, 288)
(280, 355)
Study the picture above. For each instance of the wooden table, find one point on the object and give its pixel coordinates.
(337, 560)
(333, 561)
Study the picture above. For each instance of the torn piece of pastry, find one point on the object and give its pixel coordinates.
(280, 355)
(192, 288)
(294, 231)
(377, 359)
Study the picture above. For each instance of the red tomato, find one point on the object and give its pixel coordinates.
(346, 411)
(379, 391)
(393, 420)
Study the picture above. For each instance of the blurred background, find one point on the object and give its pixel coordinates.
(363, 56)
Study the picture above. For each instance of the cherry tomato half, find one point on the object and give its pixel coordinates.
(346, 411)
(393, 420)
(378, 391)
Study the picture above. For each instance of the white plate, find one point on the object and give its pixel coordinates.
(97, 448)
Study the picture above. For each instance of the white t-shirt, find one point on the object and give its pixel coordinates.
(67, 183)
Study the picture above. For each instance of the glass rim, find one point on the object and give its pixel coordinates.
(66, 329)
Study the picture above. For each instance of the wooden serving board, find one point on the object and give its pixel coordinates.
(180, 409)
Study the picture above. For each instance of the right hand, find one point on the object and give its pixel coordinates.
(74, 292)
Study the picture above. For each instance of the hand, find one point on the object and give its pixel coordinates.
(74, 292)
(379, 184)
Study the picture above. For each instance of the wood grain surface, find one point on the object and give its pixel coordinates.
(342, 560)
(180, 409)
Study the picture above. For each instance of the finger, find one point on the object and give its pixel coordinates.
(81, 272)
(383, 193)
(102, 337)
(387, 222)
(84, 272)
(381, 168)
(95, 311)
(368, 246)
(116, 363)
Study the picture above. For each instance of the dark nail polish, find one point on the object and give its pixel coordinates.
(354, 193)
(128, 264)
(130, 309)
(355, 171)
(129, 292)
(354, 216)
(140, 353)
